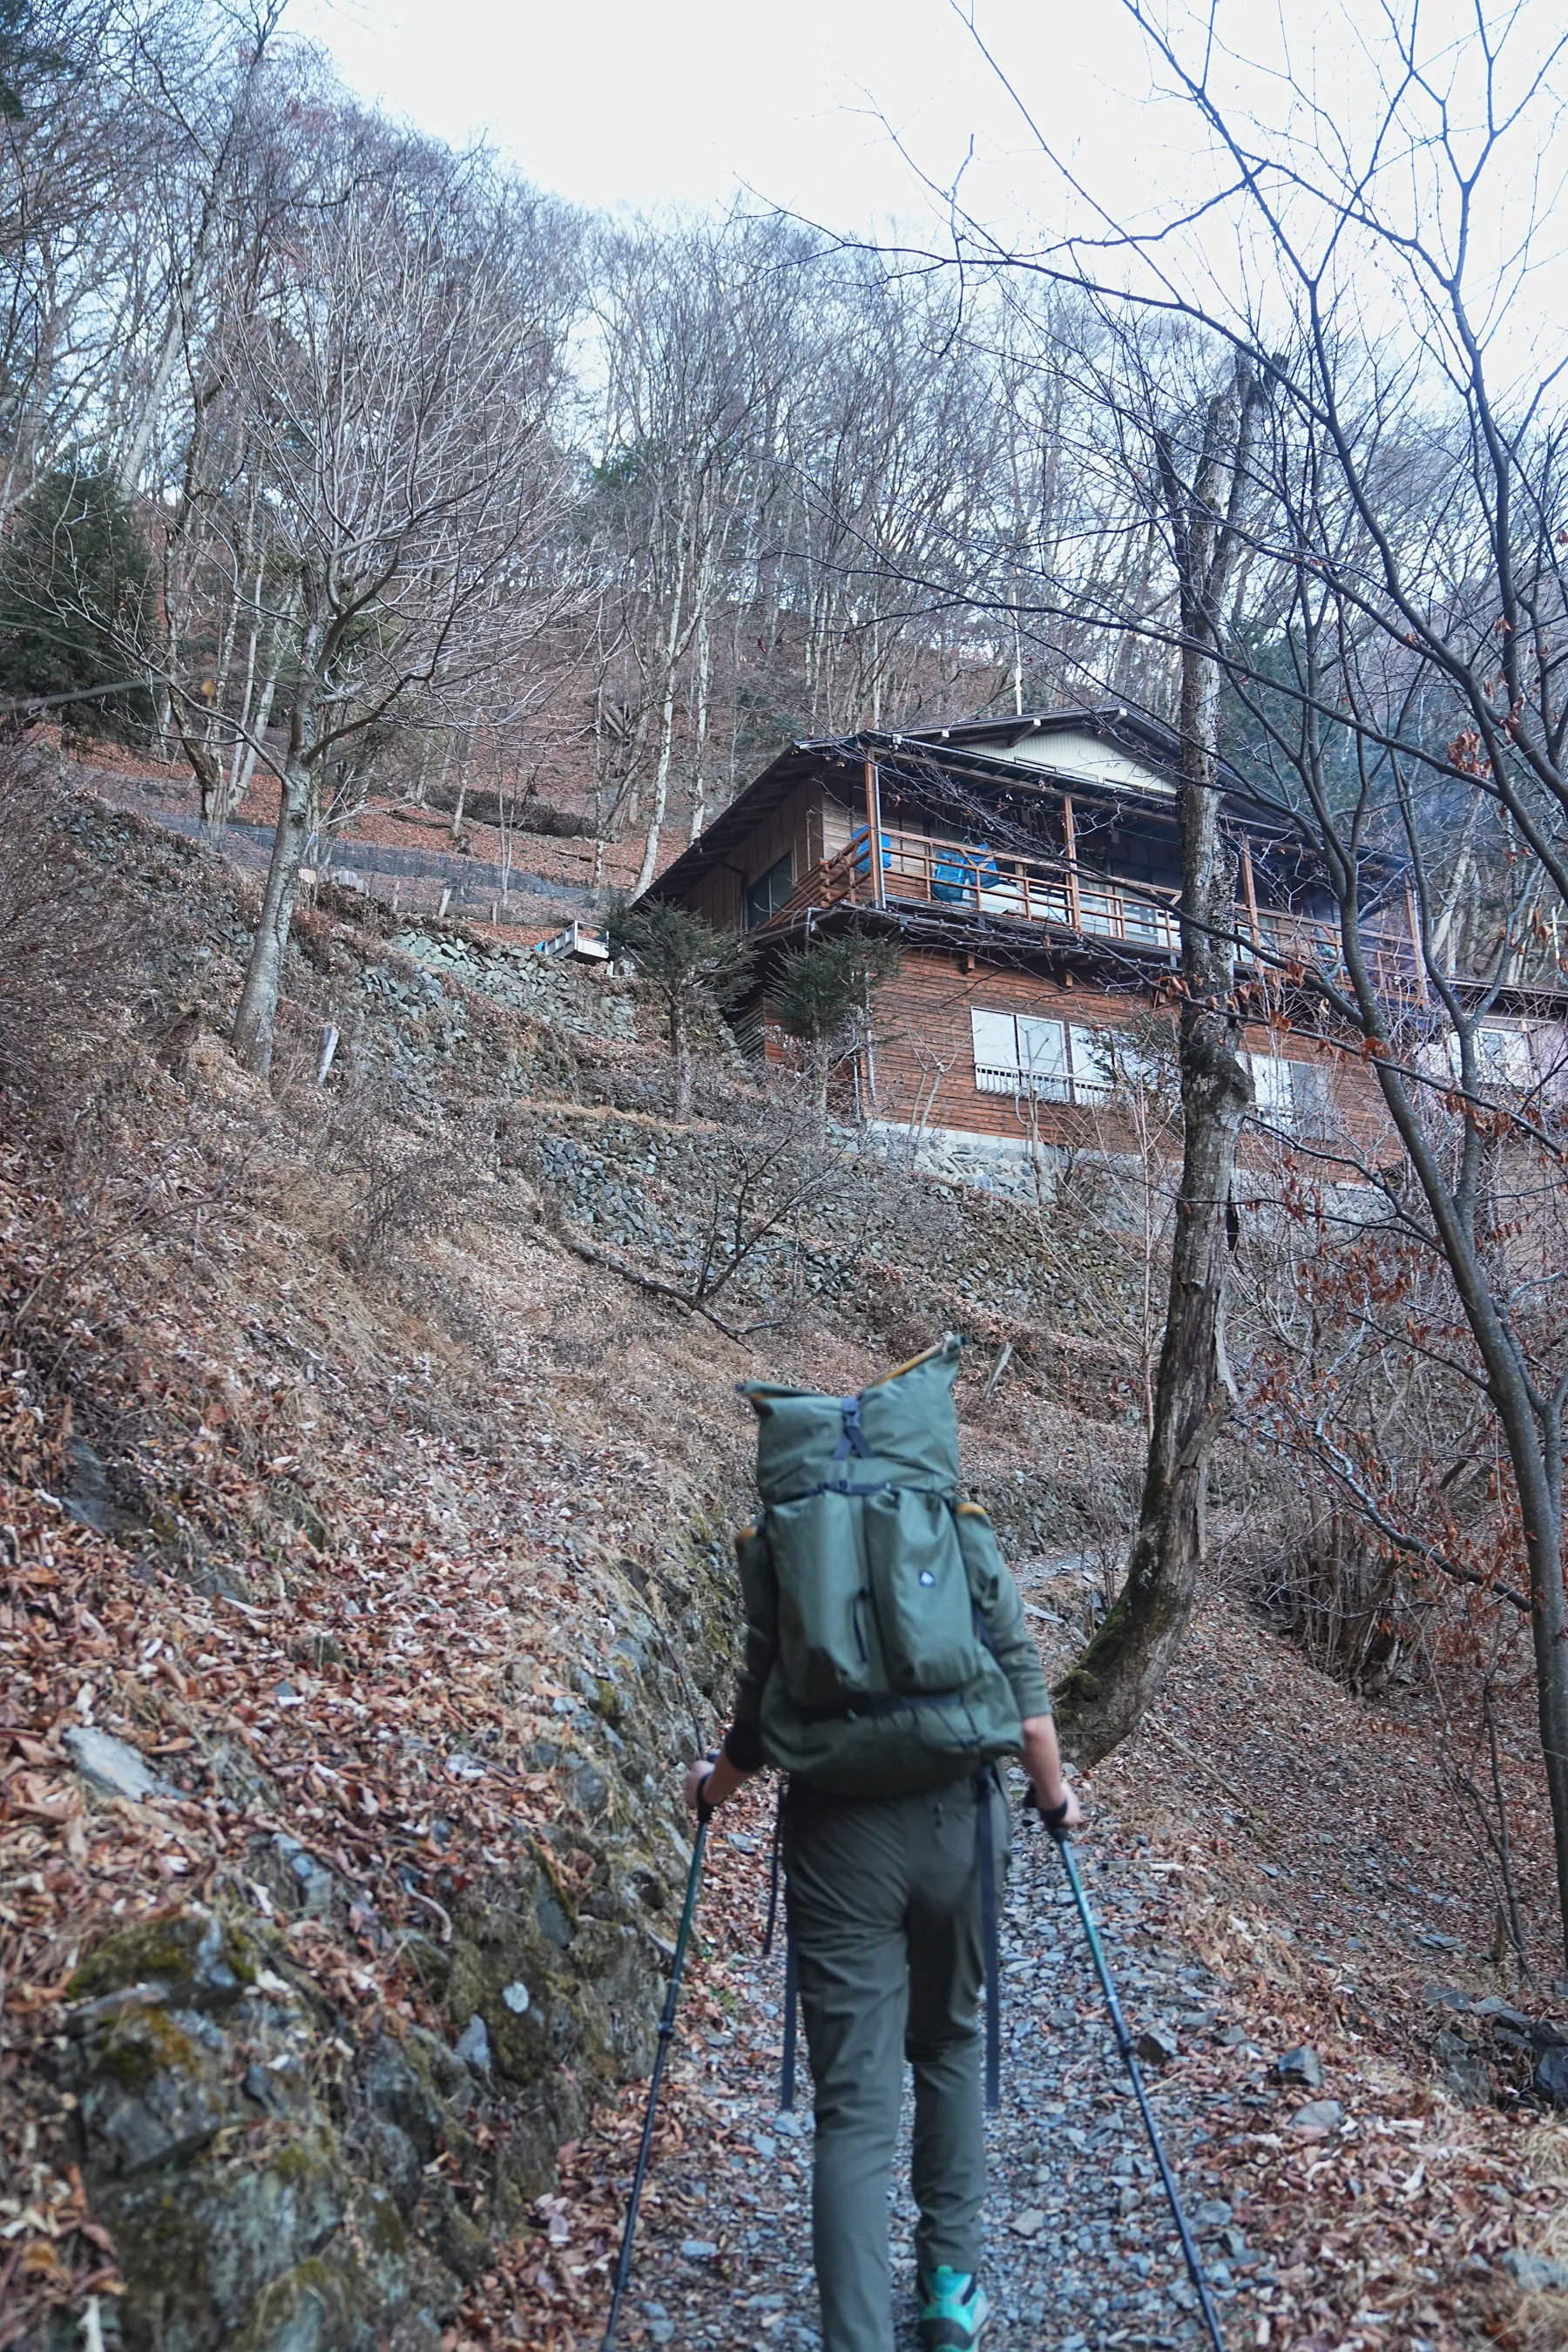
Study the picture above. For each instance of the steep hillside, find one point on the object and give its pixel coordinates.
(369, 1451)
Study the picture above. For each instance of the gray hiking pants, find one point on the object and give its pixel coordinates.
(885, 1910)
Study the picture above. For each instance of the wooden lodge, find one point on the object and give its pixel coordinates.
(1030, 868)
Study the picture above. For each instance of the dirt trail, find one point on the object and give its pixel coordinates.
(1081, 2251)
(1344, 2199)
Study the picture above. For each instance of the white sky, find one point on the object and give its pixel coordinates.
(648, 104)
(643, 103)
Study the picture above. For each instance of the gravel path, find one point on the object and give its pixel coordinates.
(1081, 2249)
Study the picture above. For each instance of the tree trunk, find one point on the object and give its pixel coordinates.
(650, 866)
(1122, 1671)
(256, 1021)
(678, 638)
(1549, 1633)
(1105, 1694)
(254, 1024)
(821, 1073)
(464, 766)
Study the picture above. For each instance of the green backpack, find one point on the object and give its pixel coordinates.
(871, 1581)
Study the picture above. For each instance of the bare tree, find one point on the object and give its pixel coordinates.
(399, 394)
(1403, 674)
(1204, 497)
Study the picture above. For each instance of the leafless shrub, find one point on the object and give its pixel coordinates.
(725, 1243)
(401, 1187)
(1315, 1571)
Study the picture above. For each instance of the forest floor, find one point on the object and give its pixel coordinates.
(1267, 1859)
(318, 1511)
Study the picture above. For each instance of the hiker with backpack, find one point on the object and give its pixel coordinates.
(888, 1669)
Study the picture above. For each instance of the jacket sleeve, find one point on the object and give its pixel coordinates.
(759, 1592)
(996, 1598)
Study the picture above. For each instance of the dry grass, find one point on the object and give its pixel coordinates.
(67, 964)
(1546, 2158)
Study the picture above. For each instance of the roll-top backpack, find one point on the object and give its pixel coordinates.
(872, 1581)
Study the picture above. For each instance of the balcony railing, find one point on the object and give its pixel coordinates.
(915, 869)
(1045, 1086)
(918, 870)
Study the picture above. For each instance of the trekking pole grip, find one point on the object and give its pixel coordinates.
(1055, 1817)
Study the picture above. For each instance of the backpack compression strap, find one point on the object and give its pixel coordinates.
(854, 1438)
(985, 1854)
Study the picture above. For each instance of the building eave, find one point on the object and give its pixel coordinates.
(915, 759)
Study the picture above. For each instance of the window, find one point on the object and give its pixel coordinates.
(1016, 1053)
(1292, 1097)
(1503, 1058)
(771, 890)
(1107, 1061)
(1093, 1052)
(1272, 1091)
(1056, 1061)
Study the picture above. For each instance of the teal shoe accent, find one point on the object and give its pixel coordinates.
(953, 2310)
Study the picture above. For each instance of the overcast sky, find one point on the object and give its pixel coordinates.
(643, 103)
(835, 109)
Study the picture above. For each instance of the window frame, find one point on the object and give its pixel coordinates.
(766, 880)
(1045, 1068)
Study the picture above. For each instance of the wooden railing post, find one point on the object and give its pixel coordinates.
(1069, 843)
(1250, 890)
(874, 831)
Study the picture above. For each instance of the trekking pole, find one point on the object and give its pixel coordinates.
(666, 2034)
(1130, 2057)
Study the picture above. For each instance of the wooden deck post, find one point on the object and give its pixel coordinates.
(1249, 890)
(1069, 842)
(874, 831)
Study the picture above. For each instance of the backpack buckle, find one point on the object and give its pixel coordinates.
(854, 1438)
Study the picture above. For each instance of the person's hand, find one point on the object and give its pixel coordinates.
(1061, 1814)
(695, 1782)
(1072, 1819)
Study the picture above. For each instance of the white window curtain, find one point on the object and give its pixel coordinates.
(995, 1052)
(1043, 1055)
(1504, 1057)
(1022, 1053)
(1275, 1092)
(1093, 1063)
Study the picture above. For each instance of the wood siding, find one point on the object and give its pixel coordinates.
(923, 1053)
(795, 829)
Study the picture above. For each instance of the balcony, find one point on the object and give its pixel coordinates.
(919, 871)
(1062, 896)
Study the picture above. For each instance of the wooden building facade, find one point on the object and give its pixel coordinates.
(1030, 868)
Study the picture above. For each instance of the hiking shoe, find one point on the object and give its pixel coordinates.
(953, 2310)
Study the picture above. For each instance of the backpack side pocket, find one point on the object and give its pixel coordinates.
(828, 1648)
(922, 1589)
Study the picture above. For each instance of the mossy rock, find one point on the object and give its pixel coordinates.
(201, 2246)
(153, 2088)
(208, 1960)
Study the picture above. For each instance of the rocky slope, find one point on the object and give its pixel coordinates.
(364, 1579)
